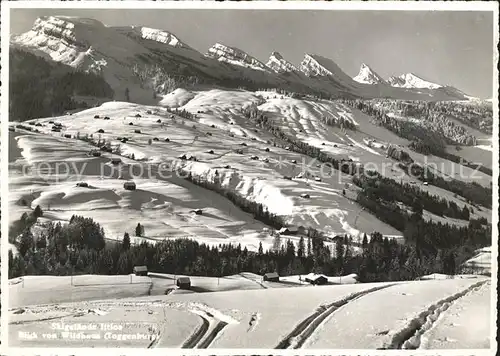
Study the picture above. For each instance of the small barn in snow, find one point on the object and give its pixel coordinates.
(183, 282)
(316, 279)
(272, 277)
(129, 186)
(140, 270)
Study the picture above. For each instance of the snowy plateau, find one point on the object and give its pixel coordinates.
(211, 128)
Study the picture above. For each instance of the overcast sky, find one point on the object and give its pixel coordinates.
(450, 47)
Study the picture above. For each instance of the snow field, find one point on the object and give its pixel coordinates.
(356, 316)
(32, 290)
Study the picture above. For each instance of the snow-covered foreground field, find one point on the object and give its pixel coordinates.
(428, 314)
(33, 290)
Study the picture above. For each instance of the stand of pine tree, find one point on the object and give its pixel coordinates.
(79, 247)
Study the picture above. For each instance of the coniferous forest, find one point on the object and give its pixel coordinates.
(39, 88)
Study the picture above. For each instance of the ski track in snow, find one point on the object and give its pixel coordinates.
(201, 334)
(306, 328)
(474, 307)
(410, 336)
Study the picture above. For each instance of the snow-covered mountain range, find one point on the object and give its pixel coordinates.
(367, 75)
(410, 80)
(117, 52)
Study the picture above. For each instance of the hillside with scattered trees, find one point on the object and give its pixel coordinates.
(39, 88)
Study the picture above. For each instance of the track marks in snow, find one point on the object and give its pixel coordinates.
(410, 336)
(155, 335)
(198, 334)
(212, 326)
(303, 331)
(212, 335)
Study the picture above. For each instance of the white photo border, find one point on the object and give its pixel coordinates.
(253, 5)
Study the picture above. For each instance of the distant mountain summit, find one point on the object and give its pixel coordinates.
(234, 56)
(367, 75)
(411, 81)
(314, 65)
(278, 64)
(160, 36)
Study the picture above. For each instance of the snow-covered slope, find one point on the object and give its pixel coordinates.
(234, 56)
(220, 113)
(259, 180)
(411, 81)
(480, 262)
(367, 75)
(279, 64)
